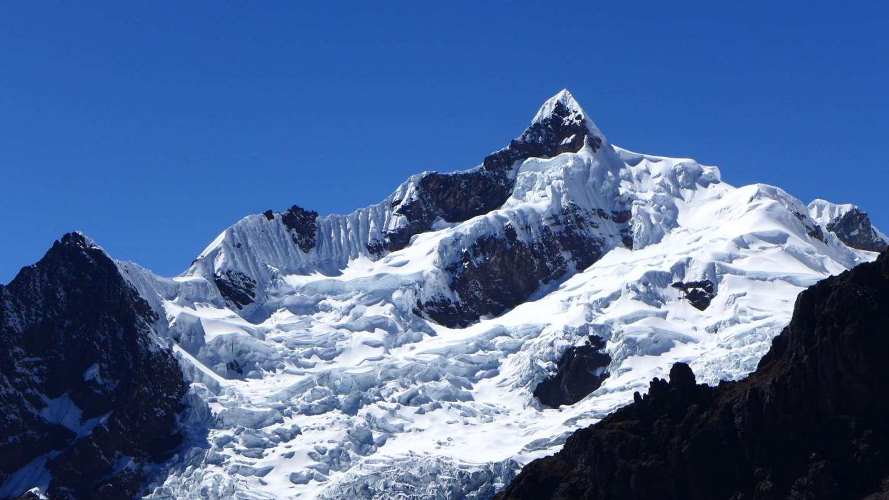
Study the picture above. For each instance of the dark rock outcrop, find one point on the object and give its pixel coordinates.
(497, 273)
(459, 196)
(854, 228)
(85, 387)
(698, 293)
(238, 289)
(580, 371)
(455, 197)
(810, 422)
(303, 226)
(812, 229)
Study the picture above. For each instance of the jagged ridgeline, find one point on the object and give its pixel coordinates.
(428, 345)
(501, 266)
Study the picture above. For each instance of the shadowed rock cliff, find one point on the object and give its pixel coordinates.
(87, 395)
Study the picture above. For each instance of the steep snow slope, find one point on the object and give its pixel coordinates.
(397, 348)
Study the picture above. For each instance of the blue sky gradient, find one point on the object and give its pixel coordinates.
(152, 126)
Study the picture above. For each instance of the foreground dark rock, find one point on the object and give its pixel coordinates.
(87, 395)
(810, 422)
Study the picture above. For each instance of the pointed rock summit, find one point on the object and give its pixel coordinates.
(78, 239)
(564, 107)
(560, 126)
(87, 391)
(562, 98)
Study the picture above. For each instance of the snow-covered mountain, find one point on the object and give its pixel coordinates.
(433, 343)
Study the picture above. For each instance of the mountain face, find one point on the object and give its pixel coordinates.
(88, 397)
(809, 422)
(437, 341)
(850, 224)
(500, 263)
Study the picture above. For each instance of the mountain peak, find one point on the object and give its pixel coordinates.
(562, 99)
(563, 105)
(78, 239)
(849, 223)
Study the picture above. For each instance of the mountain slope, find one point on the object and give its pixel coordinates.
(810, 422)
(87, 395)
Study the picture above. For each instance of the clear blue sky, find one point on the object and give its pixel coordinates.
(154, 125)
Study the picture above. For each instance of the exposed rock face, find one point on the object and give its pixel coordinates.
(497, 273)
(854, 228)
(456, 197)
(238, 289)
(301, 223)
(812, 229)
(809, 423)
(698, 293)
(87, 395)
(581, 370)
(850, 224)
